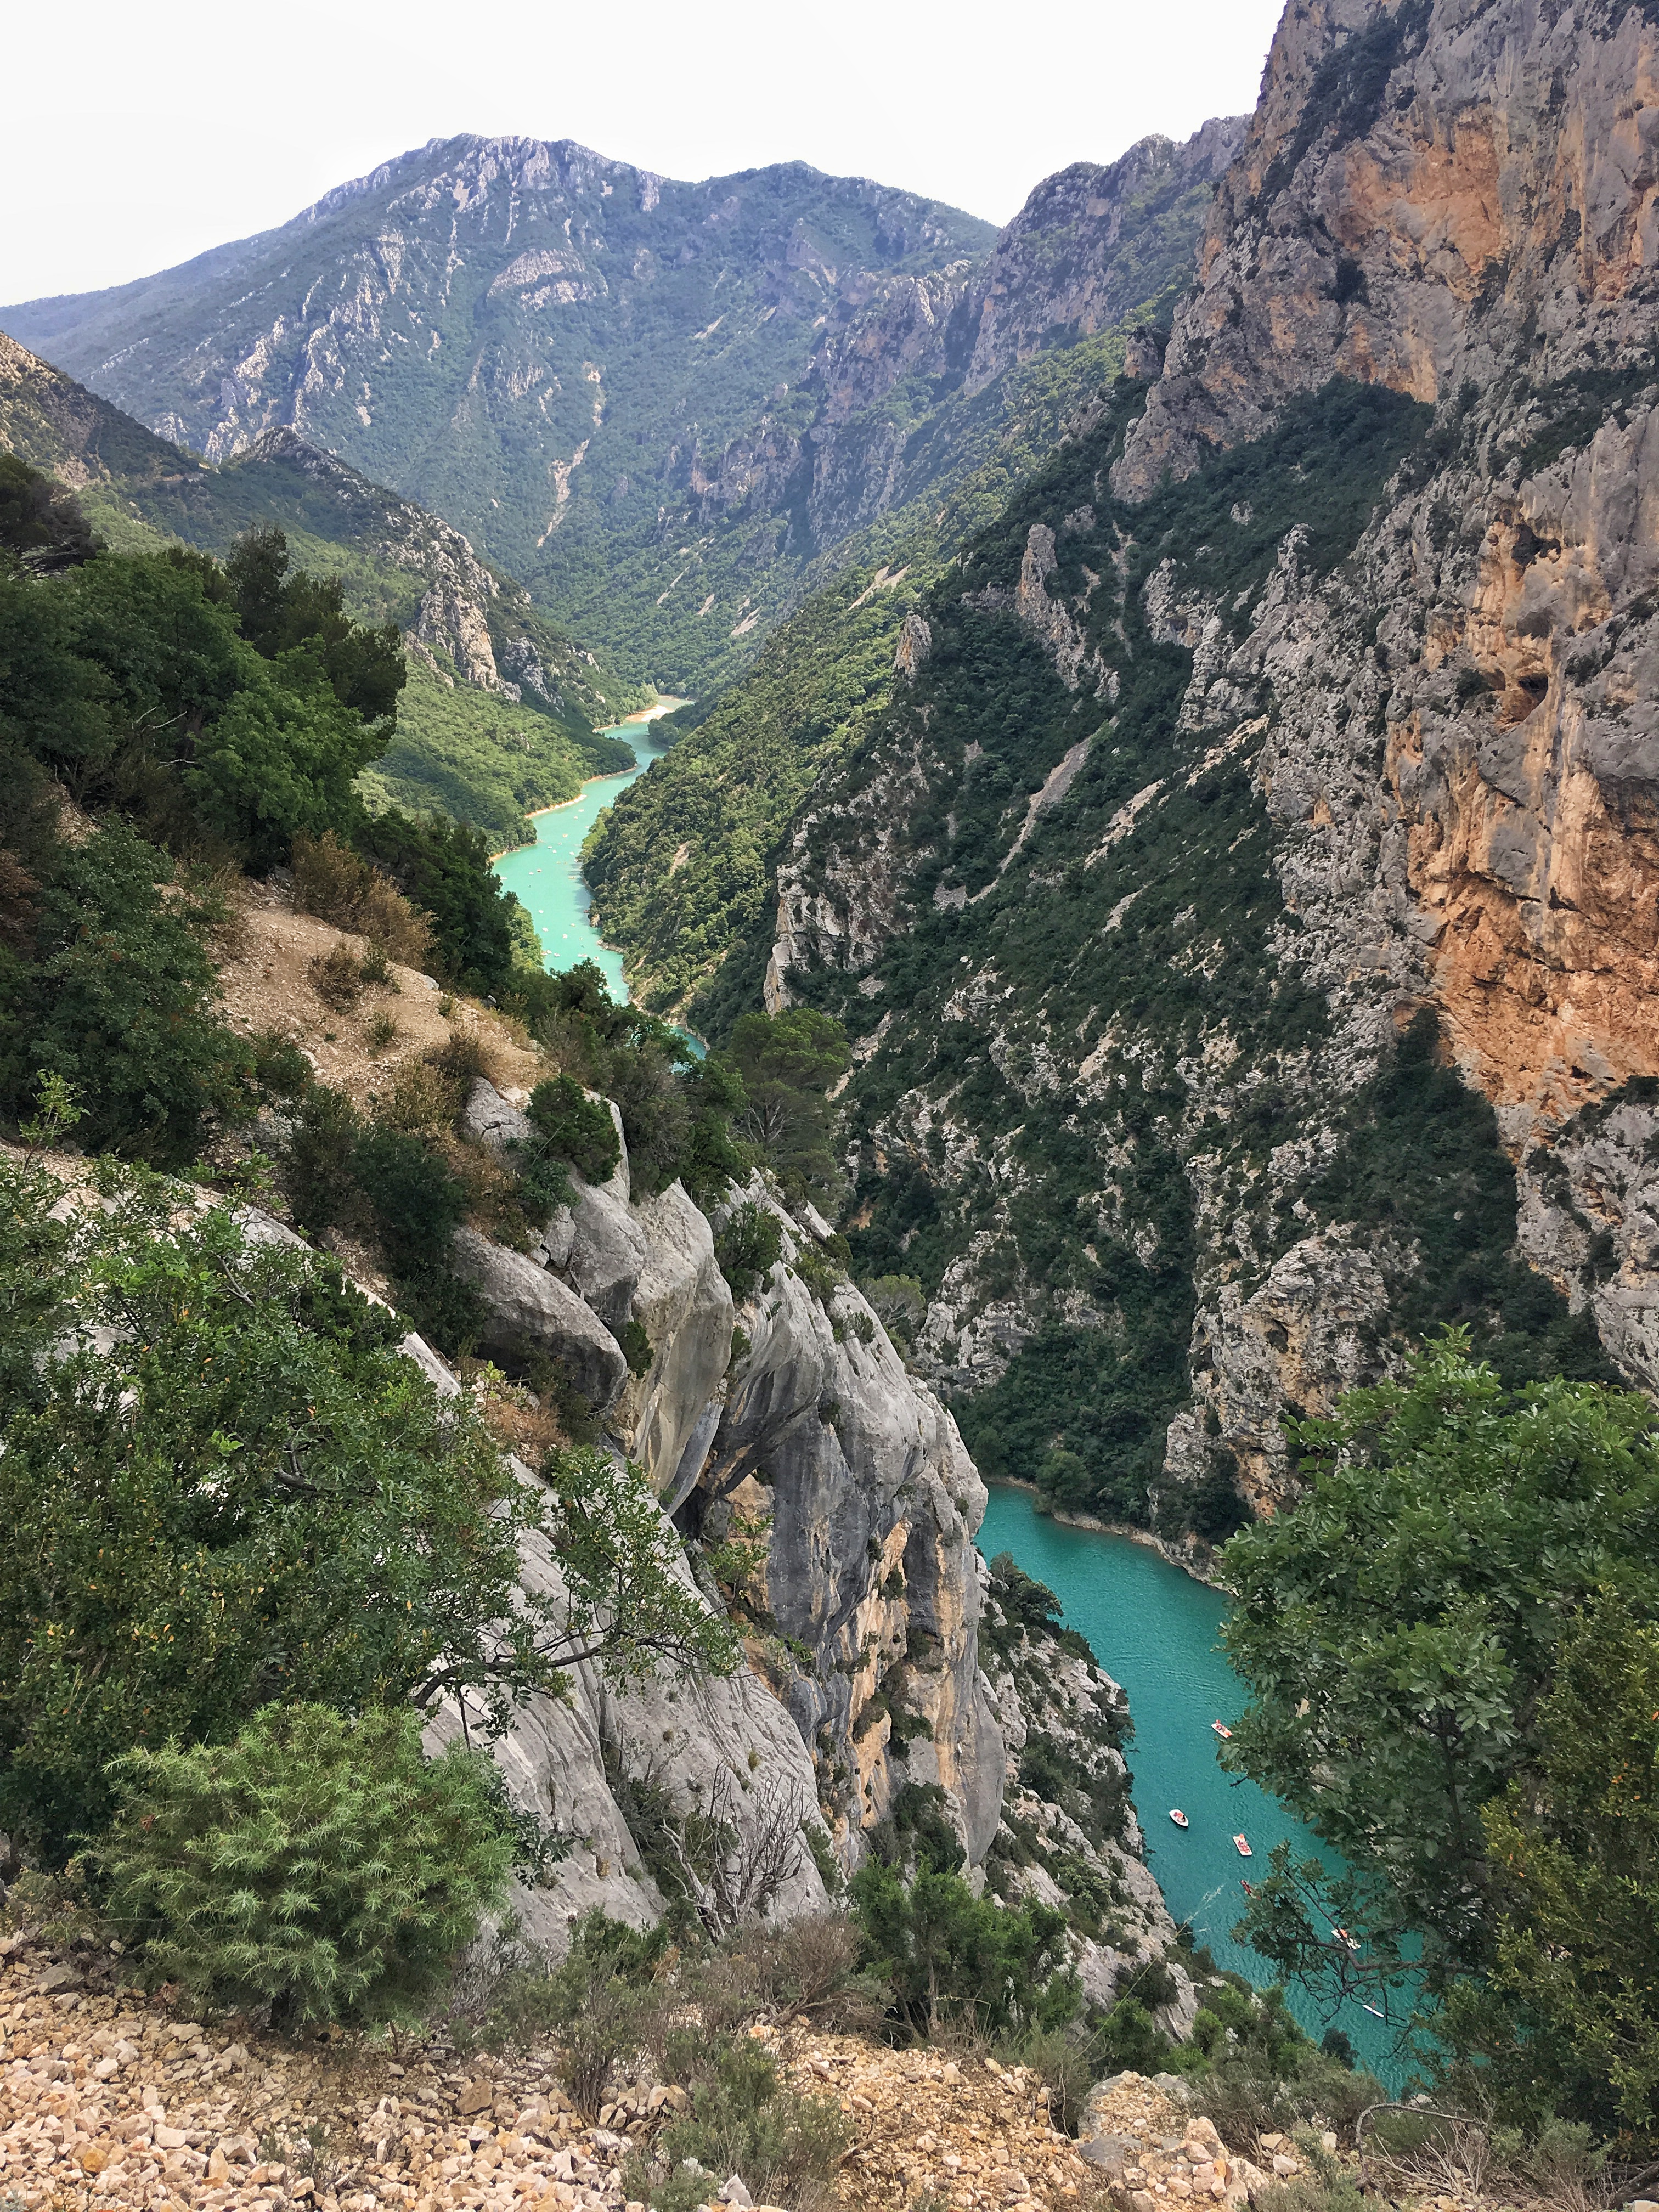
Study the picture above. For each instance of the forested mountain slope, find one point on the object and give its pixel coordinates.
(681, 865)
(657, 403)
(498, 713)
(1245, 914)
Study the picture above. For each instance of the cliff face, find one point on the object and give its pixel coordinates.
(800, 1433)
(1306, 702)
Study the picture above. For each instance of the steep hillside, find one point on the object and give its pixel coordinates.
(681, 865)
(498, 716)
(1282, 748)
(657, 403)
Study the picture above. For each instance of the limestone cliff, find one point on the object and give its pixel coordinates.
(1299, 720)
(885, 1680)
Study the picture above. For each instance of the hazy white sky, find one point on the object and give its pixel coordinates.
(138, 136)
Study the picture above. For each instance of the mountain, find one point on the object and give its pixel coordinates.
(680, 865)
(1245, 911)
(498, 713)
(657, 403)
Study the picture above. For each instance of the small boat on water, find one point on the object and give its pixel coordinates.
(1375, 2014)
(1222, 1731)
(1241, 1845)
(1247, 1889)
(1343, 1936)
(1179, 1817)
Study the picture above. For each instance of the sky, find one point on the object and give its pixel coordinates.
(150, 133)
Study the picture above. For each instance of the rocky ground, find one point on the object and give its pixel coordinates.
(109, 2100)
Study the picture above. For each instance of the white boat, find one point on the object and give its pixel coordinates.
(1222, 1731)
(1179, 1817)
(1240, 1845)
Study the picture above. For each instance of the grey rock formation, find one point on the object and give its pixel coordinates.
(683, 1305)
(530, 1314)
(869, 1504)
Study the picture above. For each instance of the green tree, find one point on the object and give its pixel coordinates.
(786, 1063)
(283, 757)
(1400, 1628)
(223, 1485)
(281, 610)
(954, 1958)
(315, 1864)
(1571, 2004)
(117, 999)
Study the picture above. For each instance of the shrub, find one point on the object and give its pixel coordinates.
(571, 1126)
(316, 1865)
(748, 1243)
(743, 2119)
(599, 2004)
(338, 886)
(382, 1032)
(336, 978)
(417, 1203)
(951, 1957)
(117, 999)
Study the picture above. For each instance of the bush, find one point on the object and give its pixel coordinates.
(281, 1508)
(952, 1958)
(748, 1243)
(599, 2004)
(338, 886)
(117, 999)
(744, 2120)
(571, 1129)
(317, 1866)
(337, 977)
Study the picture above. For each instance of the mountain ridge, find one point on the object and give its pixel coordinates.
(661, 467)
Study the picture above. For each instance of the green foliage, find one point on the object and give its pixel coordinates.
(443, 868)
(574, 1128)
(115, 997)
(1402, 1628)
(280, 610)
(417, 1202)
(786, 1063)
(223, 1485)
(314, 1865)
(1568, 2014)
(956, 1959)
(675, 1109)
(1421, 1157)
(748, 1243)
(745, 2119)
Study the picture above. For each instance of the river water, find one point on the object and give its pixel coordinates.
(547, 875)
(1155, 1629)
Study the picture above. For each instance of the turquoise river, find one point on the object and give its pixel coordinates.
(1155, 1629)
(546, 878)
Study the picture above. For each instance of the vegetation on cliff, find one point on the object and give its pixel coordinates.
(1450, 1644)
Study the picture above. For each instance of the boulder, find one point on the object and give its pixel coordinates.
(529, 1312)
(606, 1252)
(488, 1120)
